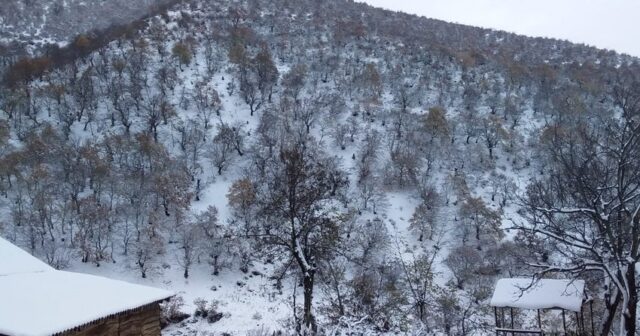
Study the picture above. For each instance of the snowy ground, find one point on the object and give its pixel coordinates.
(247, 301)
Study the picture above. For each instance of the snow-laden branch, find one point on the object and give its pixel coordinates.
(575, 242)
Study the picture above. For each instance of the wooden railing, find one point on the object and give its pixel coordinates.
(507, 332)
(521, 332)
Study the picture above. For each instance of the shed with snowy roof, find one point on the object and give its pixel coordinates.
(560, 295)
(36, 300)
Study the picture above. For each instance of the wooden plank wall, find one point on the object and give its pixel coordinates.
(141, 322)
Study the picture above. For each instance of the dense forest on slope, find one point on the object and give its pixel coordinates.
(28, 25)
(315, 166)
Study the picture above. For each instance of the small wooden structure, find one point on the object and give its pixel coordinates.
(565, 296)
(36, 299)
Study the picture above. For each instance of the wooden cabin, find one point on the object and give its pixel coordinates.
(563, 300)
(37, 300)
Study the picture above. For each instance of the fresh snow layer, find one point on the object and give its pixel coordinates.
(36, 299)
(14, 260)
(523, 293)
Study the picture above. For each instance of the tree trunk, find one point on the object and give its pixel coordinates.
(611, 314)
(309, 320)
(198, 190)
(630, 310)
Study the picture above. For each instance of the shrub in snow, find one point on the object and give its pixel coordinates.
(171, 311)
(210, 312)
(245, 263)
(263, 332)
(215, 317)
(201, 307)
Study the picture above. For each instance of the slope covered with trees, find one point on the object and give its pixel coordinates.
(375, 170)
(32, 22)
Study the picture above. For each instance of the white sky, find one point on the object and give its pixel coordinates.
(608, 24)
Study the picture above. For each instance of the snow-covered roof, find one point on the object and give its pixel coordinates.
(523, 293)
(36, 299)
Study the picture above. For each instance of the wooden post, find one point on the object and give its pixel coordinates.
(578, 325)
(512, 327)
(539, 321)
(495, 314)
(564, 322)
(593, 329)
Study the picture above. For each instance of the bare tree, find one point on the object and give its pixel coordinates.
(294, 199)
(189, 238)
(207, 103)
(209, 236)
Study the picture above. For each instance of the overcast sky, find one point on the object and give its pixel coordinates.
(609, 24)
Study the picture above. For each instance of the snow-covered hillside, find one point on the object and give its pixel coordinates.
(317, 164)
